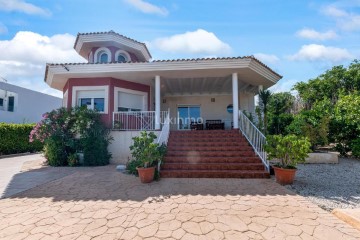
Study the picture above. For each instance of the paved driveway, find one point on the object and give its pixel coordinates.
(100, 203)
(15, 177)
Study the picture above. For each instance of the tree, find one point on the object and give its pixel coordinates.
(280, 112)
(346, 122)
(264, 99)
(333, 98)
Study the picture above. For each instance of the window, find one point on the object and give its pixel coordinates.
(102, 55)
(1, 104)
(93, 103)
(130, 102)
(85, 102)
(124, 109)
(99, 104)
(11, 104)
(104, 58)
(93, 97)
(121, 58)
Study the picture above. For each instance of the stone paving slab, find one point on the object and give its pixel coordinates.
(18, 174)
(100, 203)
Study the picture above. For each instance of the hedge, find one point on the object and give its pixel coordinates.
(14, 138)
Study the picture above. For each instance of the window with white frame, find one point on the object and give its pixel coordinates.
(1, 104)
(94, 100)
(103, 55)
(122, 56)
(131, 101)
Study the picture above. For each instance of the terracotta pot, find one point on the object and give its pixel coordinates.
(146, 174)
(284, 176)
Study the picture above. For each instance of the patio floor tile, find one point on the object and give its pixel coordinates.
(100, 203)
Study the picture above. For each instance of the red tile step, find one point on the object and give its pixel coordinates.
(223, 160)
(213, 174)
(213, 166)
(209, 148)
(237, 153)
(207, 144)
(211, 154)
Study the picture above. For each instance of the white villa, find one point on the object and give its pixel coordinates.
(134, 93)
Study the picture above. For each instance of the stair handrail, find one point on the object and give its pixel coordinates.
(255, 137)
(164, 134)
(165, 131)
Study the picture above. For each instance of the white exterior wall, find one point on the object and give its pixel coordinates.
(29, 105)
(247, 102)
(209, 110)
(120, 146)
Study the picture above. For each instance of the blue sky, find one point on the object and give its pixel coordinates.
(298, 39)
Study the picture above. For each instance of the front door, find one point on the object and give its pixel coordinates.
(186, 115)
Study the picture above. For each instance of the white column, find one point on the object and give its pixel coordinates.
(157, 103)
(235, 93)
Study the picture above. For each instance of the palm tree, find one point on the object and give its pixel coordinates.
(264, 99)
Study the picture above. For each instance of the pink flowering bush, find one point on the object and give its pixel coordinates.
(66, 132)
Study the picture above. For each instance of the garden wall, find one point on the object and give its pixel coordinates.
(119, 147)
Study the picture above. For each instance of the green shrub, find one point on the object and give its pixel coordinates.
(73, 160)
(145, 153)
(355, 148)
(290, 149)
(66, 132)
(14, 138)
(145, 150)
(55, 151)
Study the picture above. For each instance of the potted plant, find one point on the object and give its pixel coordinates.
(288, 151)
(146, 155)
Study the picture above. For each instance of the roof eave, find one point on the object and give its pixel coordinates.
(144, 51)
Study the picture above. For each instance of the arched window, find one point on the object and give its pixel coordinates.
(102, 55)
(122, 56)
(104, 58)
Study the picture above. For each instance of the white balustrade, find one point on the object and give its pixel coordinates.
(255, 137)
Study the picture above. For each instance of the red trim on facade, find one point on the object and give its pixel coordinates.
(112, 83)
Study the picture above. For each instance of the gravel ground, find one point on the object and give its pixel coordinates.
(330, 185)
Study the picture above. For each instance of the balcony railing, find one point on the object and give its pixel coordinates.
(144, 120)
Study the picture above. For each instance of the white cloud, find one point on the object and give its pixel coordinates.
(345, 20)
(315, 35)
(3, 28)
(284, 85)
(147, 7)
(22, 6)
(23, 58)
(333, 11)
(196, 42)
(316, 52)
(267, 58)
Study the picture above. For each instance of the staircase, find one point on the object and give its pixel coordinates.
(211, 154)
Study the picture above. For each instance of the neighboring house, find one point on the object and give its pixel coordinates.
(134, 93)
(21, 105)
